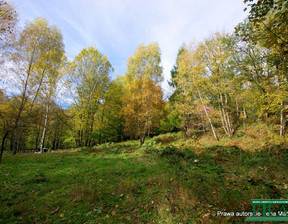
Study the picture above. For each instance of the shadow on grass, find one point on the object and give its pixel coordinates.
(169, 186)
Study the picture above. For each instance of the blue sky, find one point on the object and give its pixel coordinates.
(117, 27)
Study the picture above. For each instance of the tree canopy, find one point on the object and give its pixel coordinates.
(218, 84)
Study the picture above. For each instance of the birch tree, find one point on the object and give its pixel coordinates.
(216, 53)
(142, 100)
(192, 80)
(39, 50)
(89, 75)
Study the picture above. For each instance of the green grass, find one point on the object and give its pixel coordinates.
(125, 183)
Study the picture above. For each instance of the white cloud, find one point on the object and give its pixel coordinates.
(117, 27)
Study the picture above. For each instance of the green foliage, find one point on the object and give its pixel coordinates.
(89, 82)
(170, 150)
(109, 119)
(142, 98)
(167, 138)
(174, 73)
(150, 147)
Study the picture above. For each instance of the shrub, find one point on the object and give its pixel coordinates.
(169, 150)
(189, 154)
(283, 154)
(166, 138)
(240, 134)
(231, 150)
(150, 147)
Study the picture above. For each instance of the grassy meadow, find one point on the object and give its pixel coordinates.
(167, 180)
(226, 94)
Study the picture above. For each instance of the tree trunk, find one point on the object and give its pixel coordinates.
(91, 129)
(22, 104)
(229, 124)
(3, 145)
(54, 144)
(224, 125)
(142, 139)
(244, 112)
(81, 137)
(225, 118)
(37, 131)
(210, 122)
(57, 143)
(244, 115)
(237, 109)
(99, 139)
(44, 129)
(282, 120)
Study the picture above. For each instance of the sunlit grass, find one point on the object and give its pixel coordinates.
(177, 182)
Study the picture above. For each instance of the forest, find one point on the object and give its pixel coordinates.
(220, 84)
(228, 89)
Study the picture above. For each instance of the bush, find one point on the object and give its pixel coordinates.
(225, 150)
(150, 147)
(283, 154)
(167, 138)
(240, 134)
(106, 145)
(169, 150)
(189, 154)
(85, 149)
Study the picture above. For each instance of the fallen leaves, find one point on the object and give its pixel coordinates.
(75, 201)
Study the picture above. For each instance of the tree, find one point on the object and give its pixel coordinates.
(264, 13)
(216, 53)
(267, 27)
(6, 120)
(174, 73)
(184, 114)
(110, 124)
(48, 93)
(58, 134)
(39, 51)
(89, 78)
(142, 100)
(193, 82)
(8, 23)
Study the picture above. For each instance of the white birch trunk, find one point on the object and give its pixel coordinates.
(210, 122)
(44, 129)
(282, 120)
